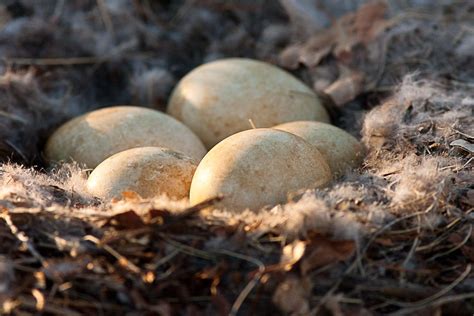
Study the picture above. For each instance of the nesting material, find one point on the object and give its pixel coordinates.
(408, 211)
(341, 150)
(93, 137)
(217, 99)
(148, 171)
(256, 168)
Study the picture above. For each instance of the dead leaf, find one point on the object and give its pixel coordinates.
(384, 241)
(316, 48)
(322, 251)
(346, 88)
(369, 21)
(464, 144)
(292, 253)
(360, 27)
(289, 58)
(126, 220)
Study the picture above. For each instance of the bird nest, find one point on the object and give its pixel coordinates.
(391, 237)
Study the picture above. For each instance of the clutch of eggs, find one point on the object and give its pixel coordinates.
(151, 153)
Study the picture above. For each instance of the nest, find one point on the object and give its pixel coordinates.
(392, 237)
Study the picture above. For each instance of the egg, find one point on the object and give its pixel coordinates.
(91, 138)
(257, 168)
(219, 98)
(148, 171)
(341, 150)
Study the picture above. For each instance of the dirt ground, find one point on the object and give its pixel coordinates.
(393, 237)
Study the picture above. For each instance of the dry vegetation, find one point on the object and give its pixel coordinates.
(394, 237)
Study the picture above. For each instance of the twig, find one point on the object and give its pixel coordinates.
(164, 260)
(16, 149)
(13, 117)
(463, 134)
(464, 166)
(390, 224)
(412, 251)
(463, 242)
(22, 237)
(198, 207)
(121, 259)
(187, 249)
(48, 308)
(439, 294)
(446, 232)
(438, 302)
(331, 291)
(409, 256)
(249, 287)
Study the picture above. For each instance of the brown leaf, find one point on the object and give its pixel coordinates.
(292, 253)
(384, 241)
(360, 27)
(346, 88)
(317, 47)
(368, 22)
(323, 251)
(290, 57)
(126, 220)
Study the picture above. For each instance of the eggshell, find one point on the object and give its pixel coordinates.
(256, 168)
(148, 171)
(341, 150)
(217, 99)
(91, 138)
